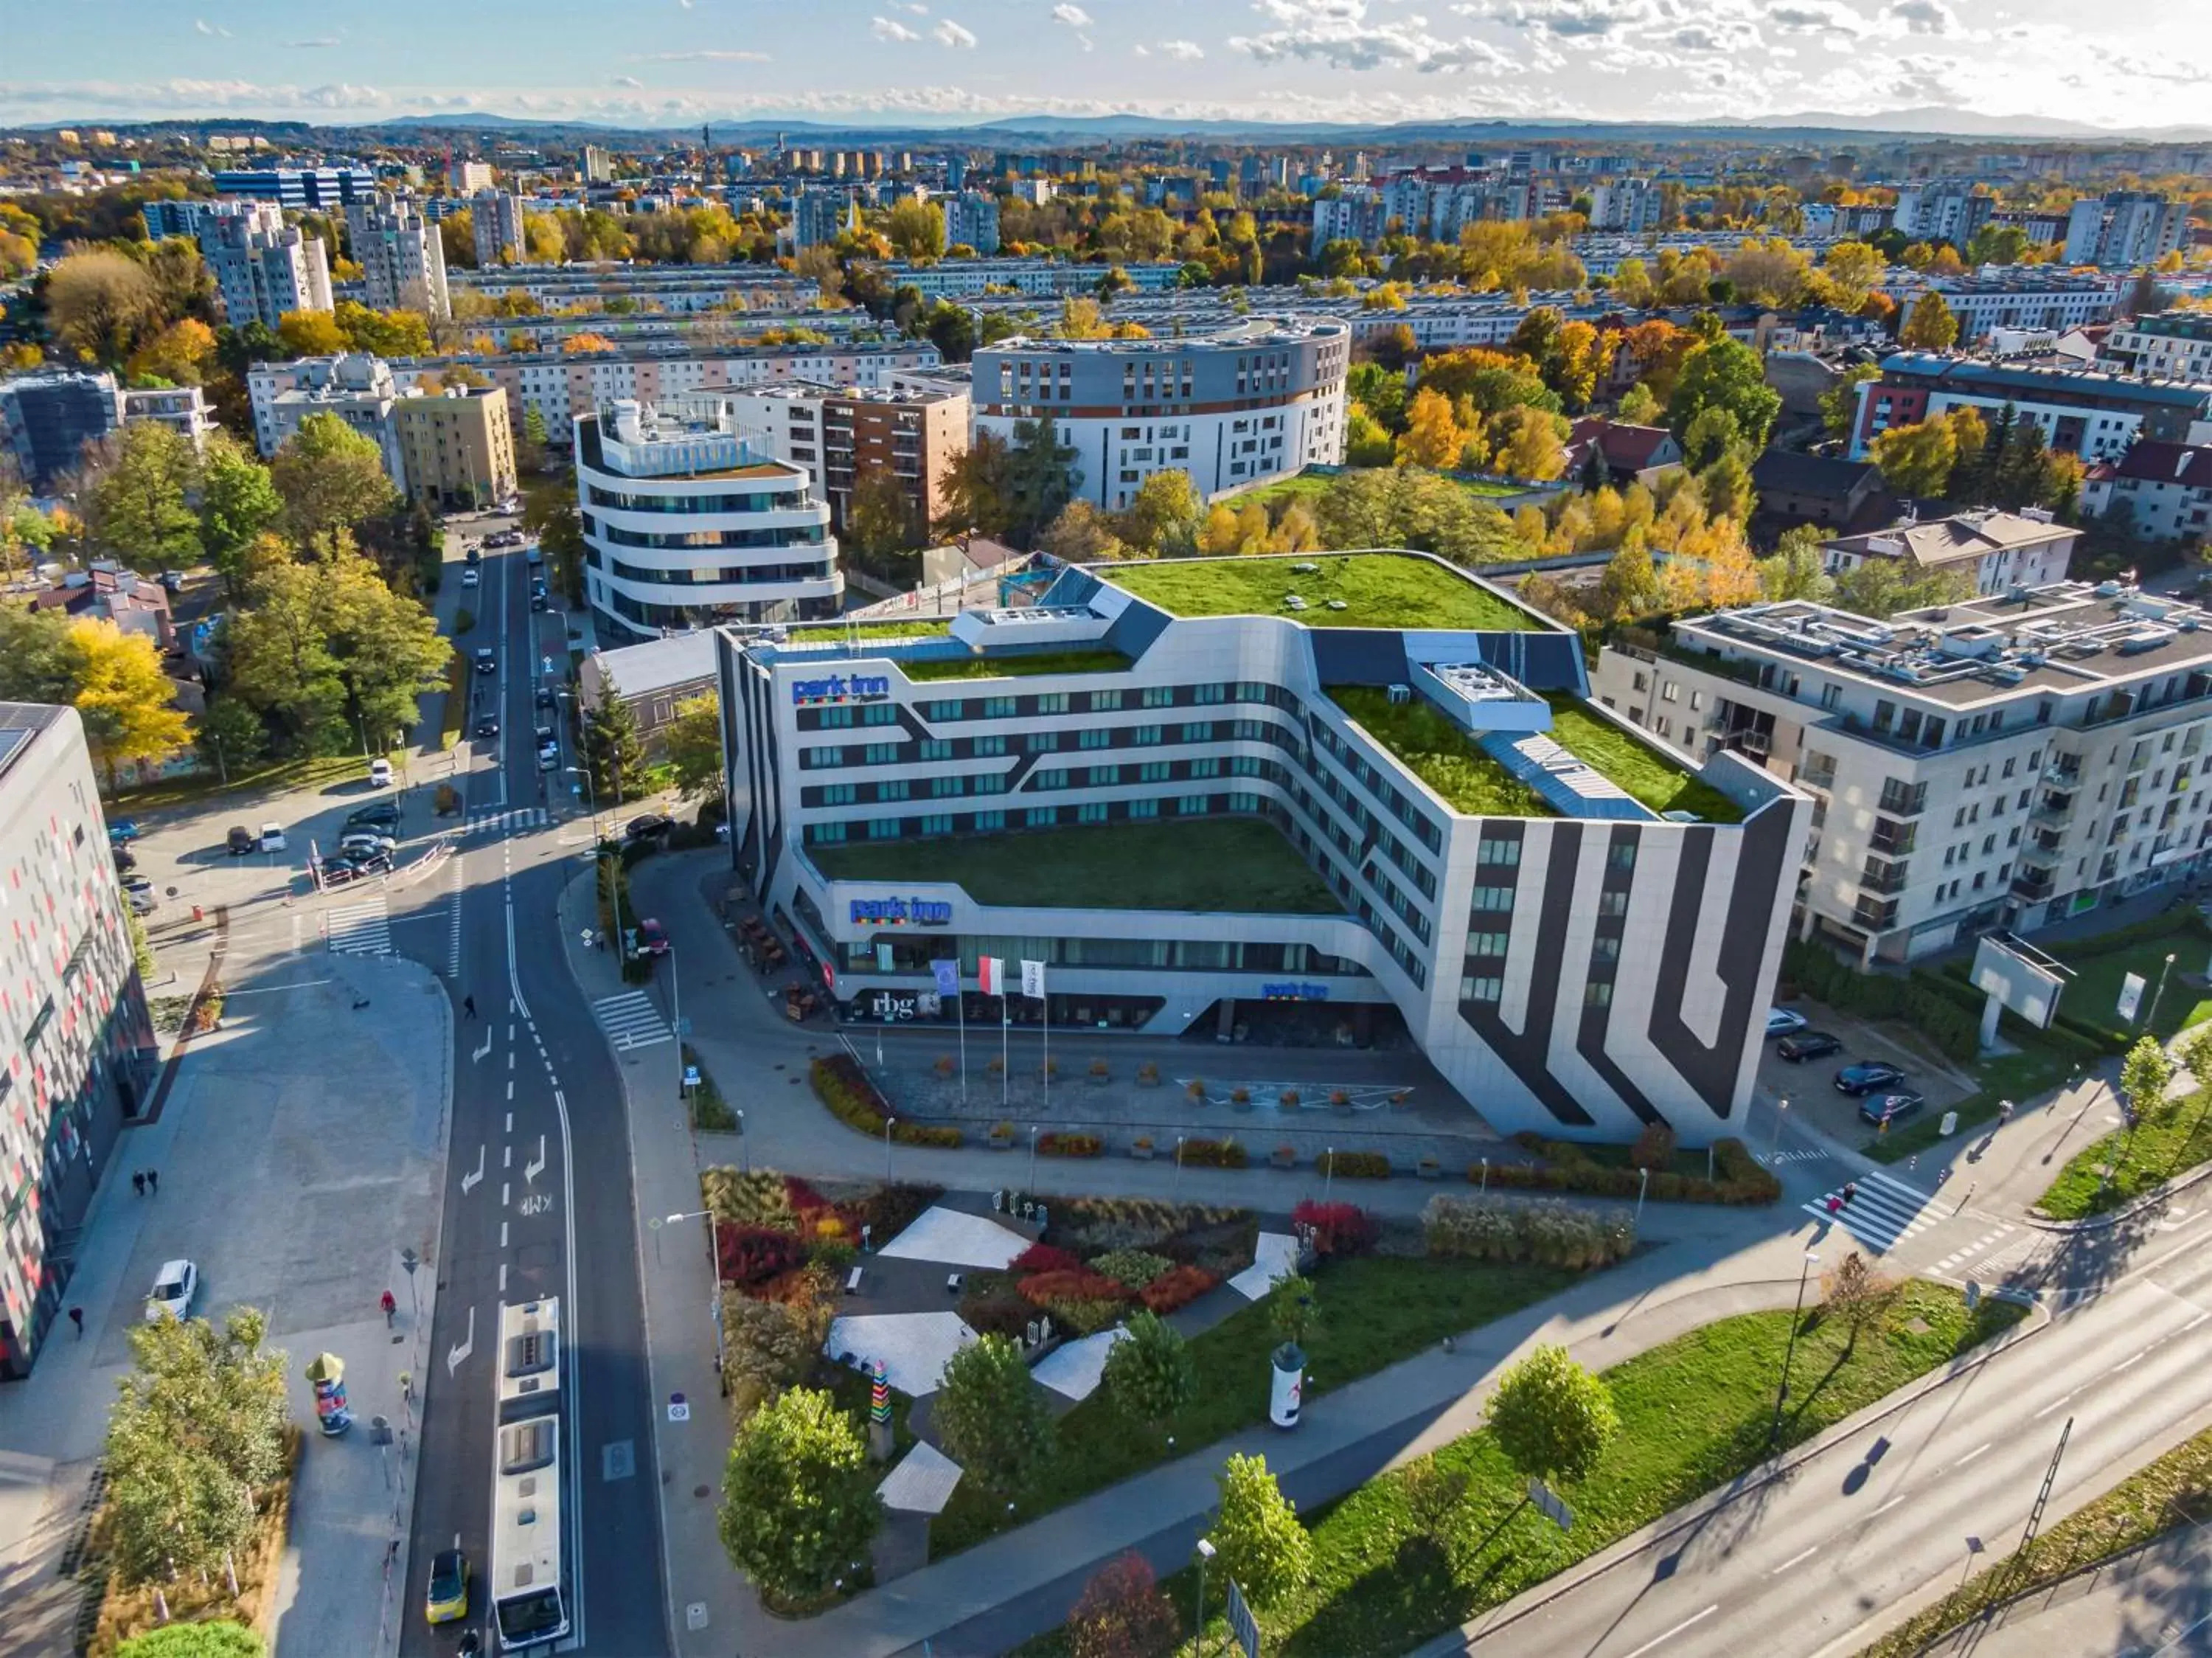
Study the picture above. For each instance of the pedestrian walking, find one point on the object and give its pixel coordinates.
(153, 1181)
(1850, 1191)
(138, 1181)
(468, 1007)
(76, 1318)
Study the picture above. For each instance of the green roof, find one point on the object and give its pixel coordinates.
(1014, 664)
(1441, 755)
(1649, 775)
(1377, 589)
(1240, 865)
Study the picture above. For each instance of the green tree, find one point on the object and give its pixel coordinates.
(1366, 440)
(384, 333)
(278, 659)
(1711, 435)
(694, 739)
(1293, 1309)
(229, 735)
(1794, 571)
(882, 528)
(550, 513)
(238, 502)
(1150, 1375)
(916, 230)
(2144, 1076)
(977, 489)
(1629, 586)
(1163, 518)
(1726, 488)
(1840, 404)
(798, 1502)
(1082, 534)
(991, 1416)
(1551, 1417)
(1726, 374)
(614, 749)
(387, 646)
(1878, 588)
(329, 476)
(140, 500)
(37, 664)
(1931, 325)
(1381, 392)
(1041, 477)
(1257, 1533)
(537, 445)
(1638, 407)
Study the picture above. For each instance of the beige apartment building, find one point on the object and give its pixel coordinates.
(456, 447)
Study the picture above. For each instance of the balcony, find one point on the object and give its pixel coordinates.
(1876, 879)
(1899, 802)
(2063, 774)
(2052, 809)
(2034, 888)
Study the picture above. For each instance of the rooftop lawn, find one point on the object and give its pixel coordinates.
(1441, 755)
(1304, 486)
(1379, 590)
(1239, 864)
(920, 627)
(1642, 770)
(1009, 666)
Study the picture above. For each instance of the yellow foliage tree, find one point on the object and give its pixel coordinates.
(181, 353)
(1218, 536)
(1433, 437)
(1295, 531)
(310, 333)
(126, 702)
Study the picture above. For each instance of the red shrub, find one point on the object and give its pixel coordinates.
(1045, 1258)
(749, 1255)
(1177, 1287)
(1123, 1614)
(1079, 1285)
(1339, 1228)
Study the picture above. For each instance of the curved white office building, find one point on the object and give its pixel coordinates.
(1256, 398)
(690, 519)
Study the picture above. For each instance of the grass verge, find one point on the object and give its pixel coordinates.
(456, 706)
(268, 777)
(710, 1112)
(2015, 1077)
(1375, 1310)
(2175, 1488)
(2170, 1141)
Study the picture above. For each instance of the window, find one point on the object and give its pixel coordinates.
(942, 711)
(879, 714)
(1492, 899)
(1143, 808)
(1096, 736)
(1096, 812)
(1052, 702)
(1103, 701)
(837, 794)
(1041, 817)
(1504, 854)
(1473, 988)
(1605, 949)
(1488, 943)
(883, 828)
(984, 748)
(1669, 691)
(1104, 776)
(1144, 736)
(934, 748)
(1621, 856)
(1598, 993)
(1000, 708)
(943, 785)
(1158, 696)
(1191, 805)
(1613, 902)
(895, 789)
(1197, 731)
(1056, 778)
(1152, 772)
(1211, 693)
(1041, 742)
(1205, 768)
(937, 823)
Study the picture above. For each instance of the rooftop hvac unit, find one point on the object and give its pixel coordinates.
(2039, 514)
(1888, 545)
(1401, 694)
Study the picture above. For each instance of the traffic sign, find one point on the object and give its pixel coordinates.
(1549, 1505)
(1242, 1624)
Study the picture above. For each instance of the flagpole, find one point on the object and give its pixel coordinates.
(1005, 1073)
(960, 1006)
(1045, 1005)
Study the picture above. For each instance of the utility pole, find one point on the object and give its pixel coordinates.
(1781, 1390)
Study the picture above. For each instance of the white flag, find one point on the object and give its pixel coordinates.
(1033, 979)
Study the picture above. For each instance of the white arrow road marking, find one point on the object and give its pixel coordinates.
(468, 1180)
(455, 1359)
(478, 1054)
(536, 1166)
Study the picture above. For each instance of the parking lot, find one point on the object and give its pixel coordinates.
(1809, 1086)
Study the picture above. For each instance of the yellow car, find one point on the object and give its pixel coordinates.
(449, 1587)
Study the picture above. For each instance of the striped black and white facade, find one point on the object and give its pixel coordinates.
(1582, 973)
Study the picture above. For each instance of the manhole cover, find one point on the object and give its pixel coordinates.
(702, 1490)
(618, 1460)
(695, 1615)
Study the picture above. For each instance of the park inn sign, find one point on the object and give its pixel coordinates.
(901, 912)
(841, 688)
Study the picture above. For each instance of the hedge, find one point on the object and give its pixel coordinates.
(1568, 1166)
(1214, 1153)
(1056, 1145)
(1550, 1234)
(852, 1099)
(1353, 1165)
(1930, 1003)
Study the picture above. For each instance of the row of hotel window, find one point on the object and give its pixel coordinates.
(1035, 817)
(953, 784)
(953, 710)
(831, 757)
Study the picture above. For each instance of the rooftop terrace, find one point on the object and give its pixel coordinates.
(1342, 589)
(1441, 755)
(1236, 865)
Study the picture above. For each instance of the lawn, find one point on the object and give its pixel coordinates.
(1243, 865)
(1441, 755)
(266, 777)
(2015, 1077)
(1011, 664)
(2094, 993)
(1637, 767)
(1694, 1414)
(2165, 1143)
(920, 627)
(1306, 485)
(1375, 1311)
(1377, 589)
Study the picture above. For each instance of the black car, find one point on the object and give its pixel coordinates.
(539, 601)
(650, 825)
(125, 862)
(378, 815)
(1867, 1076)
(1807, 1044)
(487, 661)
(545, 696)
(354, 866)
(1879, 1109)
(488, 726)
(242, 840)
(474, 555)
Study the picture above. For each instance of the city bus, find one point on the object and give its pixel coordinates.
(528, 1585)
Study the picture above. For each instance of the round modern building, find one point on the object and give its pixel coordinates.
(689, 519)
(1256, 398)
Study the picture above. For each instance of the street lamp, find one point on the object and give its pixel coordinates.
(1032, 1192)
(1782, 1392)
(1781, 1116)
(745, 1156)
(676, 1220)
(890, 1122)
(1205, 1553)
(1642, 1182)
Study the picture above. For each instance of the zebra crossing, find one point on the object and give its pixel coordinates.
(362, 928)
(519, 817)
(1882, 1214)
(631, 1020)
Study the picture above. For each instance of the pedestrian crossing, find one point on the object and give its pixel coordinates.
(518, 817)
(631, 1020)
(1881, 1214)
(1991, 1252)
(361, 929)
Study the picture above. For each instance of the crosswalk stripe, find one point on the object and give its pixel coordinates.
(519, 817)
(1885, 1212)
(358, 929)
(631, 1020)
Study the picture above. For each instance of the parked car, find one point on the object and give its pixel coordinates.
(540, 601)
(383, 811)
(122, 831)
(366, 842)
(549, 758)
(469, 577)
(125, 862)
(380, 774)
(1780, 1022)
(1807, 1044)
(174, 1287)
(348, 867)
(1867, 1075)
(1879, 1109)
(137, 883)
(242, 840)
(487, 663)
(652, 937)
(488, 726)
(544, 698)
(449, 1598)
(142, 904)
(648, 825)
(173, 581)
(272, 837)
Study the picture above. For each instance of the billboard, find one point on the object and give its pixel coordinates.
(2021, 976)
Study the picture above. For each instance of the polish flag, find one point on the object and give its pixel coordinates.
(991, 976)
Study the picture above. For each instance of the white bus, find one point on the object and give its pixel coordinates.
(527, 1579)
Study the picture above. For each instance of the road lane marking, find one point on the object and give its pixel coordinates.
(478, 1054)
(1662, 1640)
(2125, 1363)
(502, 1278)
(536, 1166)
(1795, 1559)
(2194, 1322)
(469, 1180)
(1972, 1454)
(1887, 1507)
(510, 1122)
(455, 1358)
(2055, 1403)
(506, 1156)
(502, 1234)
(502, 1194)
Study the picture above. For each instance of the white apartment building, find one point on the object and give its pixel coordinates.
(1945, 209)
(2008, 762)
(2163, 490)
(1625, 206)
(971, 217)
(183, 409)
(467, 178)
(2124, 228)
(495, 218)
(262, 266)
(964, 278)
(2011, 297)
(689, 519)
(402, 258)
(1254, 398)
(359, 389)
(2001, 550)
(648, 287)
(2165, 345)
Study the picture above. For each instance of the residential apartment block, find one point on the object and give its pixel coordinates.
(183, 409)
(2165, 345)
(456, 448)
(965, 278)
(402, 256)
(841, 435)
(325, 189)
(77, 1053)
(2164, 490)
(2095, 416)
(971, 219)
(1571, 960)
(2000, 550)
(2008, 762)
(2017, 297)
(688, 519)
(1944, 210)
(262, 266)
(1256, 398)
(47, 418)
(495, 221)
(358, 388)
(646, 287)
(2124, 228)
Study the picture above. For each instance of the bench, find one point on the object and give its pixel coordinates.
(852, 1282)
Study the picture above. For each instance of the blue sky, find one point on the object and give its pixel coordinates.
(676, 62)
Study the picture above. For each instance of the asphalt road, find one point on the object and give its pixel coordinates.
(538, 1195)
(1843, 1546)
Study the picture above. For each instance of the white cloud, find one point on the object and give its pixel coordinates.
(1074, 17)
(629, 80)
(948, 33)
(205, 28)
(1572, 19)
(1817, 17)
(885, 28)
(913, 7)
(1925, 17)
(710, 56)
(1341, 35)
(1185, 52)
(313, 45)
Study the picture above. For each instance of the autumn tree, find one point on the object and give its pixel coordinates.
(125, 700)
(1931, 326)
(976, 489)
(1854, 1291)
(1163, 517)
(1433, 437)
(693, 741)
(310, 333)
(1638, 407)
(1530, 443)
(916, 229)
(182, 354)
(329, 476)
(1916, 459)
(140, 500)
(100, 304)
(1852, 269)
(881, 522)
(1123, 1613)
(1080, 534)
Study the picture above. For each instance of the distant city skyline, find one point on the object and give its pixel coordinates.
(676, 62)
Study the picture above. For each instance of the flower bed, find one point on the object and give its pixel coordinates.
(1176, 1288)
(852, 1099)
(1548, 1233)
(1567, 1165)
(1057, 1144)
(1338, 1228)
(1353, 1165)
(1214, 1153)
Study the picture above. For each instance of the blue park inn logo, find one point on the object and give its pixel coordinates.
(1294, 991)
(841, 688)
(901, 912)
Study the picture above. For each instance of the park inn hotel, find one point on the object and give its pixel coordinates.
(1367, 780)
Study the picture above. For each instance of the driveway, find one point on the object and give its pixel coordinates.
(1809, 1085)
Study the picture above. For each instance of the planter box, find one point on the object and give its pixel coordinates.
(1430, 1168)
(1144, 1153)
(1285, 1159)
